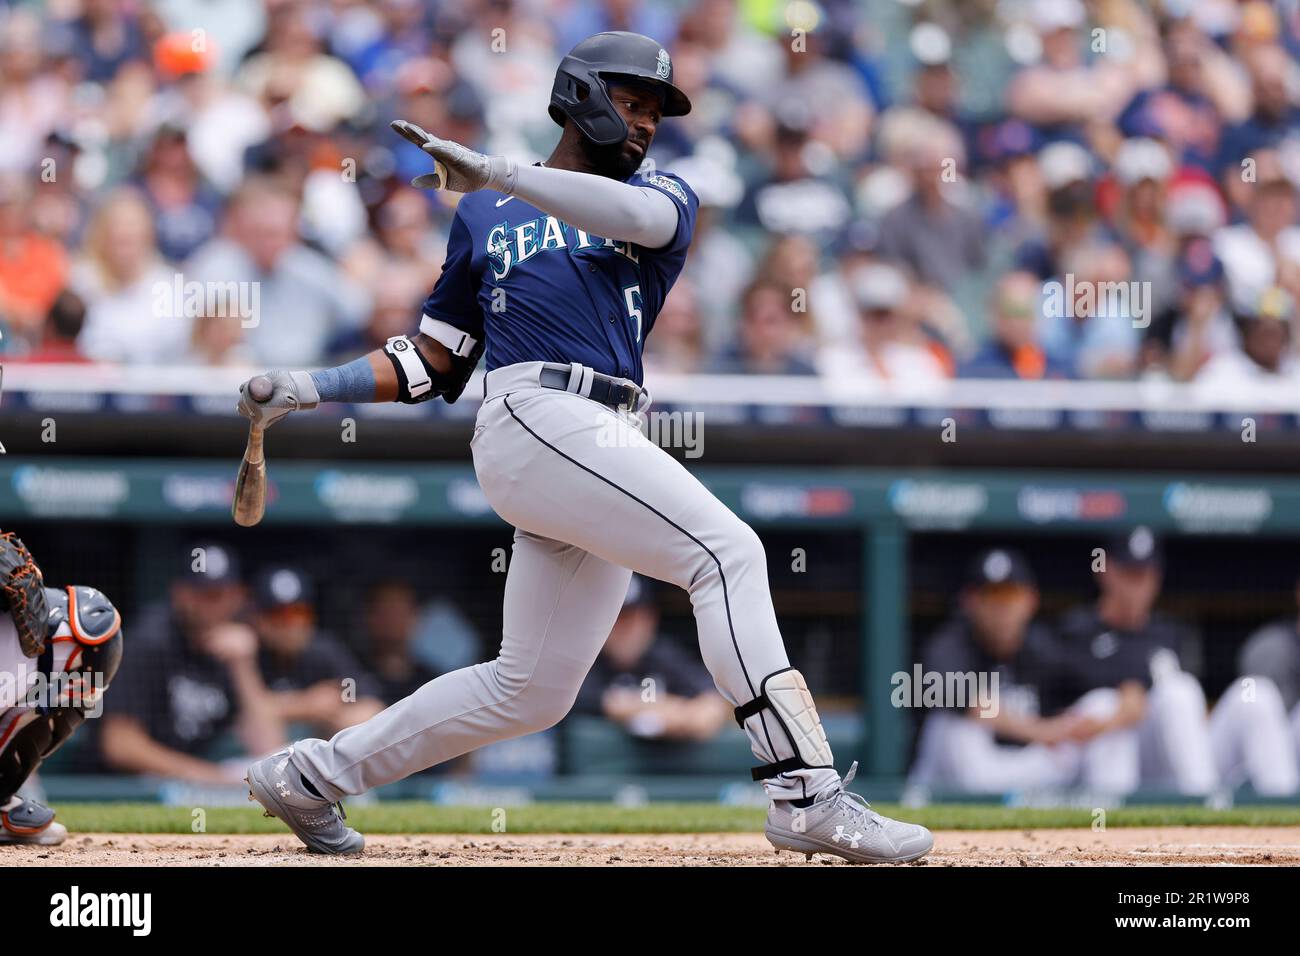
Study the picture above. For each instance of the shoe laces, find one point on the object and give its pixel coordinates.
(854, 804)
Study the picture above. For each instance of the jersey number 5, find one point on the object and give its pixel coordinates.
(632, 299)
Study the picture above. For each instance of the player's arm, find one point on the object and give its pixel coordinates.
(1023, 728)
(1130, 710)
(594, 204)
(127, 746)
(258, 727)
(406, 369)
(436, 362)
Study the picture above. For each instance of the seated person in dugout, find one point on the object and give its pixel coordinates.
(1121, 645)
(648, 685)
(1002, 740)
(313, 679)
(192, 683)
(1274, 649)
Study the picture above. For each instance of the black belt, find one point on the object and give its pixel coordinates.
(614, 392)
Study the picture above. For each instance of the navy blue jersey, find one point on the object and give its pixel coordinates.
(544, 291)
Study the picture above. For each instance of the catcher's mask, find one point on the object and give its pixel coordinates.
(581, 90)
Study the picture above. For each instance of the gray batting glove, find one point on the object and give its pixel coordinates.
(457, 168)
(292, 391)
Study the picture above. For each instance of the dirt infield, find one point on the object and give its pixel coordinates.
(1122, 846)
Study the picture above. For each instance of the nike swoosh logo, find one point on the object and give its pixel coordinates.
(502, 202)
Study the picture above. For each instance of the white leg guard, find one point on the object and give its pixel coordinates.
(805, 747)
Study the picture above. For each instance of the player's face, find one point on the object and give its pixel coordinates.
(641, 108)
(288, 629)
(1000, 614)
(1132, 589)
(632, 634)
(201, 608)
(391, 617)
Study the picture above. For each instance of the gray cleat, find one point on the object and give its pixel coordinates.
(843, 824)
(26, 821)
(276, 784)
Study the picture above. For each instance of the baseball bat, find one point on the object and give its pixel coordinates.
(250, 484)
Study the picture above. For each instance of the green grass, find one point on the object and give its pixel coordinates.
(417, 817)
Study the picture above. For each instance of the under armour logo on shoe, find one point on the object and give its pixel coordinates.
(853, 840)
(282, 787)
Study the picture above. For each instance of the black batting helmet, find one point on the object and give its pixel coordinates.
(580, 90)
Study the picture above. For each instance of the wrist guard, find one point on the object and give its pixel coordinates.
(417, 380)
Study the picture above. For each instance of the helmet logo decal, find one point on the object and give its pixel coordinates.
(664, 66)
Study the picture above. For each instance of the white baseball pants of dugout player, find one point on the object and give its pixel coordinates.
(1176, 746)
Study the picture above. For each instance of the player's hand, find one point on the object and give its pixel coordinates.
(456, 167)
(230, 642)
(1082, 728)
(323, 699)
(1051, 730)
(290, 391)
(621, 703)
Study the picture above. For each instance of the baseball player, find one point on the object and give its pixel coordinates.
(555, 273)
(1006, 742)
(59, 648)
(1123, 646)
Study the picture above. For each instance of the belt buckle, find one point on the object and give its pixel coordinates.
(631, 397)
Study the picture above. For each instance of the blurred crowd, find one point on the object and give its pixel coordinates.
(1107, 698)
(896, 191)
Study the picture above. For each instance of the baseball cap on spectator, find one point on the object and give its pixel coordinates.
(997, 567)
(930, 44)
(794, 120)
(1136, 548)
(1273, 303)
(879, 287)
(1198, 265)
(176, 54)
(1193, 207)
(1064, 163)
(1051, 15)
(860, 237)
(282, 586)
(463, 102)
(1142, 158)
(1008, 140)
(1258, 22)
(208, 564)
(640, 592)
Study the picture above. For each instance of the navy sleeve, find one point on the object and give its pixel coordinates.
(454, 299)
(660, 267)
(688, 207)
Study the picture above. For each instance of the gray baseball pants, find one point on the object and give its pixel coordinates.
(590, 498)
